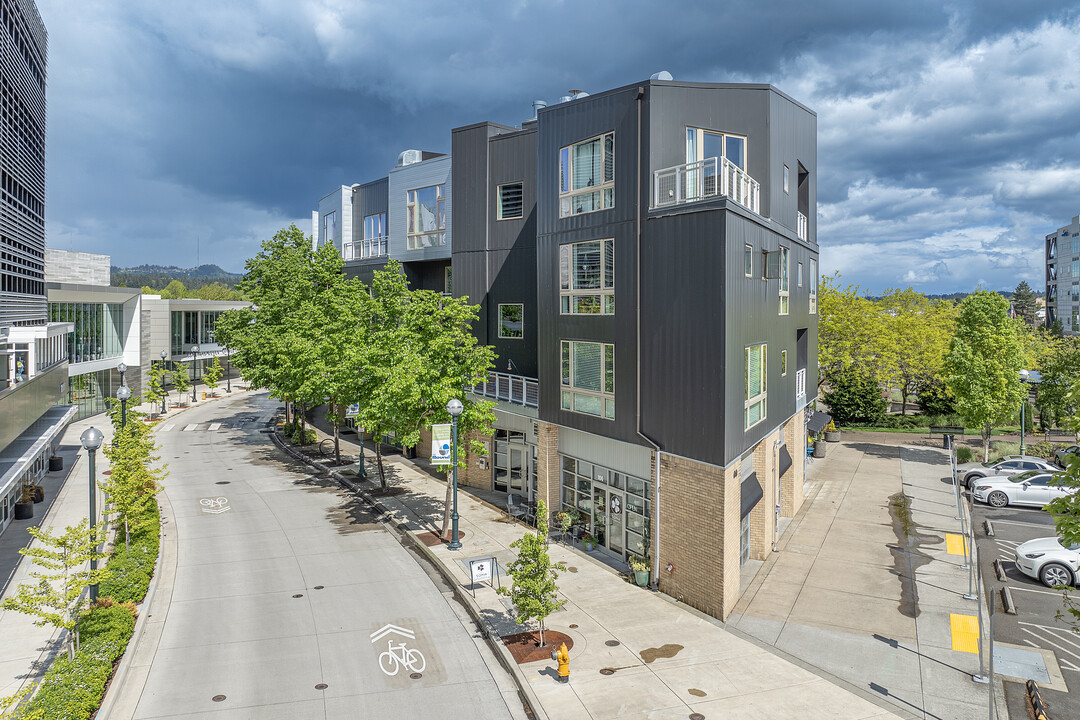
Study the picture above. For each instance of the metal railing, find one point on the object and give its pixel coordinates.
(800, 383)
(366, 248)
(704, 179)
(514, 389)
(804, 227)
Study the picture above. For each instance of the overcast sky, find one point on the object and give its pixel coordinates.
(948, 146)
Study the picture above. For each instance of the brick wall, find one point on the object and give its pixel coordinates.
(548, 473)
(791, 492)
(477, 470)
(763, 516)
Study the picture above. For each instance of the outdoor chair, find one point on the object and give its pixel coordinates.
(515, 506)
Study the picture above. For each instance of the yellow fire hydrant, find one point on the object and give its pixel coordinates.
(563, 658)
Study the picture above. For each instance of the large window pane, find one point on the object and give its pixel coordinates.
(587, 366)
(587, 266)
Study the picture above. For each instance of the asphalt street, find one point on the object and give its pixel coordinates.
(1034, 625)
(289, 600)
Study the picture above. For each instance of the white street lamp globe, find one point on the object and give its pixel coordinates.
(163, 355)
(1024, 375)
(454, 407)
(121, 368)
(123, 392)
(91, 438)
(194, 349)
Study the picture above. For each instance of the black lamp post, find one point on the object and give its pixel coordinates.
(121, 368)
(194, 369)
(164, 354)
(454, 407)
(91, 441)
(123, 393)
(1024, 375)
(228, 370)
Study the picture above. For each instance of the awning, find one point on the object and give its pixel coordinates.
(785, 459)
(817, 422)
(751, 494)
(22, 451)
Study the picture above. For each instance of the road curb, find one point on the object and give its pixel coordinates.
(409, 540)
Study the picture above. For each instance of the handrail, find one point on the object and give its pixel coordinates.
(704, 179)
(514, 389)
(366, 248)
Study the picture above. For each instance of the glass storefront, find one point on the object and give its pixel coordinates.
(193, 327)
(514, 464)
(98, 333)
(614, 507)
(89, 390)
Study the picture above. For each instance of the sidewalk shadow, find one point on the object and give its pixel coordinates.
(886, 452)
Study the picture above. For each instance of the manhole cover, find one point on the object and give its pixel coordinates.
(218, 698)
(222, 482)
(607, 671)
(416, 676)
(318, 587)
(321, 686)
(612, 643)
(697, 716)
(573, 626)
(298, 595)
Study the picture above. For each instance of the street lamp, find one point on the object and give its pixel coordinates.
(121, 368)
(123, 393)
(164, 354)
(194, 369)
(91, 441)
(228, 370)
(454, 407)
(1024, 375)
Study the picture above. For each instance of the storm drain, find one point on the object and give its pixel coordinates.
(218, 698)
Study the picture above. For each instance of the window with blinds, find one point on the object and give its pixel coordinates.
(588, 378)
(755, 373)
(510, 201)
(587, 278)
(587, 176)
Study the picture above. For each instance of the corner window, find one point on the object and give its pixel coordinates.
(375, 240)
(787, 179)
(755, 371)
(800, 275)
(587, 176)
(784, 281)
(511, 321)
(813, 286)
(748, 260)
(448, 280)
(588, 378)
(426, 212)
(510, 202)
(702, 145)
(587, 278)
(783, 363)
(329, 228)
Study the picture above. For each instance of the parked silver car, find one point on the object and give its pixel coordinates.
(1031, 488)
(1048, 561)
(1002, 466)
(1062, 454)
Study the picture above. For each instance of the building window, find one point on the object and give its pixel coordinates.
(800, 274)
(329, 228)
(748, 260)
(587, 176)
(744, 540)
(375, 235)
(191, 327)
(704, 144)
(783, 362)
(588, 378)
(427, 217)
(448, 280)
(784, 281)
(813, 286)
(787, 179)
(512, 321)
(209, 325)
(756, 385)
(587, 278)
(510, 203)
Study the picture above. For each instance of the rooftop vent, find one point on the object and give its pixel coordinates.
(408, 157)
(538, 105)
(662, 75)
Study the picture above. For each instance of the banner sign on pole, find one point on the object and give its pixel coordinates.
(440, 445)
(353, 410)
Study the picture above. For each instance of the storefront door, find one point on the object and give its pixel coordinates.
(518, 457)
(615, 535)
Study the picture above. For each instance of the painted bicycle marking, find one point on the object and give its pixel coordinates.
(398, 656)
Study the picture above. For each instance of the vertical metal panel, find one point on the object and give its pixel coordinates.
(368, 199)
(622, 457)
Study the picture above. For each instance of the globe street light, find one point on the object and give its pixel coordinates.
(194, 369)
(91, 441)
(121, 368)
(228, 370)
(1024, 375)
(164, 354)
(454, 407)
(123, 393)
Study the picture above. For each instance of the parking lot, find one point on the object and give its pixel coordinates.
(1035, 624)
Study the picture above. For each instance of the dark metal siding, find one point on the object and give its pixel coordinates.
(793, 138)
(369, 199)
(426, 274)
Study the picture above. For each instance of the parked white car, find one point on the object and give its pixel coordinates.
(1007, 465)
(1048, 561)
(1030, 488)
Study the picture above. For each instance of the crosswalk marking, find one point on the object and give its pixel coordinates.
(166, 428)
(214, 426)
(191, 427)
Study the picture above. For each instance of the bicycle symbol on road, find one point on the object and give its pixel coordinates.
(400, 655)
(215, 505)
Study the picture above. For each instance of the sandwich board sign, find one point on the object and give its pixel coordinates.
(481, 570)
(441, 449)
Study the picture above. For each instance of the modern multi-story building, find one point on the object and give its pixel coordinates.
(33, 365)
(646, 265)
(1063, 277)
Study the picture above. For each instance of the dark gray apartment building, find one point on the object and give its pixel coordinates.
(1063, 277)
(33, 358)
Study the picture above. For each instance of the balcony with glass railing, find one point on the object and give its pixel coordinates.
(513, 389)
(703, 180)
(366, 248)
(803, 229)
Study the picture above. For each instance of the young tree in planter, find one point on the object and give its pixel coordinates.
(56, 599)
(535, 593)
(180, 381)
(155, 384)
(984, 361)
(212, 374)
(1066, 510)
(133, 481)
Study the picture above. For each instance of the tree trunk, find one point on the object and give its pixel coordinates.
(541, 633)
(127, 534)
(337, 442)
(378, 460)
(446, 508)
(286, 410)
(986, 442)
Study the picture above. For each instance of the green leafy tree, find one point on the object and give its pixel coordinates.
(535, 592)
(915, 333)
(155, 383)
(212, 374)
(1066, 509)
(851, 331)
(180, 380)
(57, 597)
(855, 396)
(935, 398)
(1025, 303)
(1059, 364)
(174, 291)
(984, 362)
(133, 481)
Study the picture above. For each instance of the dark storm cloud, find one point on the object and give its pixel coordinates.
(944, 129)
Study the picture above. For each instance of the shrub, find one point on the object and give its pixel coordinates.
(1001, 447)
(964, 454)
(303, 437)
(855, 397)
(935, 399)
(1041, 448)
(132, 567)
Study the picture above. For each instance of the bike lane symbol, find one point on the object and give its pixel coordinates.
(398, 656)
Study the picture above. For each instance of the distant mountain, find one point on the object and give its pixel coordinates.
(158, 276)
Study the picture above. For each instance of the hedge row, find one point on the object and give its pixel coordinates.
(132, 567)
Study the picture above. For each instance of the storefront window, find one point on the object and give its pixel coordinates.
(614, 506)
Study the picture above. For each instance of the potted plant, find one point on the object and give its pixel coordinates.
(24, 508)
(641, 568)
(819, 448)
(565, 520)
(587, 541)
(831, 433)
(56, 463)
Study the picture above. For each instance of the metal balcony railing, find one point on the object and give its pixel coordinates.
(366, 248)
(514, 389)
(800, 384)
(704, 179)
(804, 227)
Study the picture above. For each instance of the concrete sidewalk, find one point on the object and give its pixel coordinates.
(669, 660)
(868, 583)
